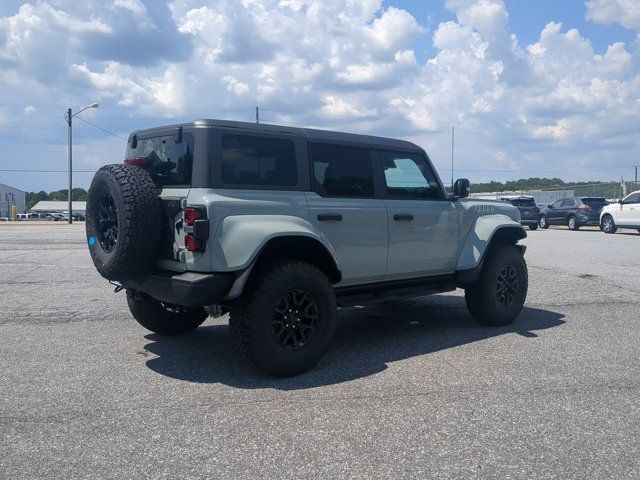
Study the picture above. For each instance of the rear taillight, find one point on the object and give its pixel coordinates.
(191, 215)
(190, 243)
(137, 161)
(584, 207)
(196, 228)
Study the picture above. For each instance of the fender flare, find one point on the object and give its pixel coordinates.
(239, 239)
(482, 234)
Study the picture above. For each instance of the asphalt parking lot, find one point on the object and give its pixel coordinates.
(410, 388)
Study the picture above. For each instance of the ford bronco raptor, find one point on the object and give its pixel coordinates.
(280, 226)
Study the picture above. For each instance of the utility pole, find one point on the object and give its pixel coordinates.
(453, 132)
(69, 118)
(257, 115)
(636, 166)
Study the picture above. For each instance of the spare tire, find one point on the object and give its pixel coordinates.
(123, 222)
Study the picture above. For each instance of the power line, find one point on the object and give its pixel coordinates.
(100, 128)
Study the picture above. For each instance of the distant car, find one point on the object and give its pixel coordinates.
(573, 212)
(529, 211)
(622, 214)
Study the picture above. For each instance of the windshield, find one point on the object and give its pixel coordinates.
(168, 162)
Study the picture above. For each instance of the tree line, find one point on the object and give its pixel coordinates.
(77, 194)
(533, 183)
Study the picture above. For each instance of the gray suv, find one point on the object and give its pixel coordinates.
(280, 226)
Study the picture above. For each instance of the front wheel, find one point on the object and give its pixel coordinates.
(608, 225)
(498, 296)
(164, 318)
(285, 320)
(533, 226)
(544, 223)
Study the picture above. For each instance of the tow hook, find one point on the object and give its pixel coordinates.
(117, 284)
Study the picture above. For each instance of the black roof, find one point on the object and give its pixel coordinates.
(311, 133)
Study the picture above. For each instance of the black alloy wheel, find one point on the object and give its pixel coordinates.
(107, 223)
(295, 319)
(507, 286)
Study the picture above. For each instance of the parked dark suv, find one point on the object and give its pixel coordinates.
(529, 211)
(573, 212)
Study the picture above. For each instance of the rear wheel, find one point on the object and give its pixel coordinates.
(498, 296)
(608, 225)
(164, 318)
(544, 223)
(572, 223)
(284, 322)
(533, 226)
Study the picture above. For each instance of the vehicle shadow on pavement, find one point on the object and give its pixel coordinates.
(367, 339)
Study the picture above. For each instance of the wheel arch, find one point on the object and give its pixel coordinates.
(487, 232)
(300, 247)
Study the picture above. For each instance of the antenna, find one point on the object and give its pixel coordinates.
(453, 132)
(257, 115)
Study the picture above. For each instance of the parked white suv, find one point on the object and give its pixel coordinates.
(623, 214)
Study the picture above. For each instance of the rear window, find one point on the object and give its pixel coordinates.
(254, 160)
(168, 162)
(523, 202)
(595, 202)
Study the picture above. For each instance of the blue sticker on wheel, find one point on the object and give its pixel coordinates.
(92, 240)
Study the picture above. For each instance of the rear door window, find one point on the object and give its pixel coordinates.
(255, 160)
(342, 170)
(567, 203)
(168, 162)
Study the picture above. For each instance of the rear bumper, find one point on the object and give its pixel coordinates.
(588, 220)
(189, 289)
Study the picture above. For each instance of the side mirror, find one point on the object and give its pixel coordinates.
(550, 206)
(620, 202)
(461, 188)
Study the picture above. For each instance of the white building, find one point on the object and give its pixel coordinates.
(55, 206)
(10, 196)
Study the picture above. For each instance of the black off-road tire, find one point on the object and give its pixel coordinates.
(483, 298)
(543, 222)
(608, 225)
(572, 223)
(161, 318)
(128, 194)
(253, 318)
(533, 226)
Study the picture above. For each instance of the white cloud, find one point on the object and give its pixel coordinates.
(339, 107)
(624, 12)
(30, 110)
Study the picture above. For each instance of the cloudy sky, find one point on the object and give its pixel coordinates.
(544, 88)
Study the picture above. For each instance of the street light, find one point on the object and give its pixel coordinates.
(69, 117)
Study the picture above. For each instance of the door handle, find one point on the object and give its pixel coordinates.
(402, 216)
(326, 217)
